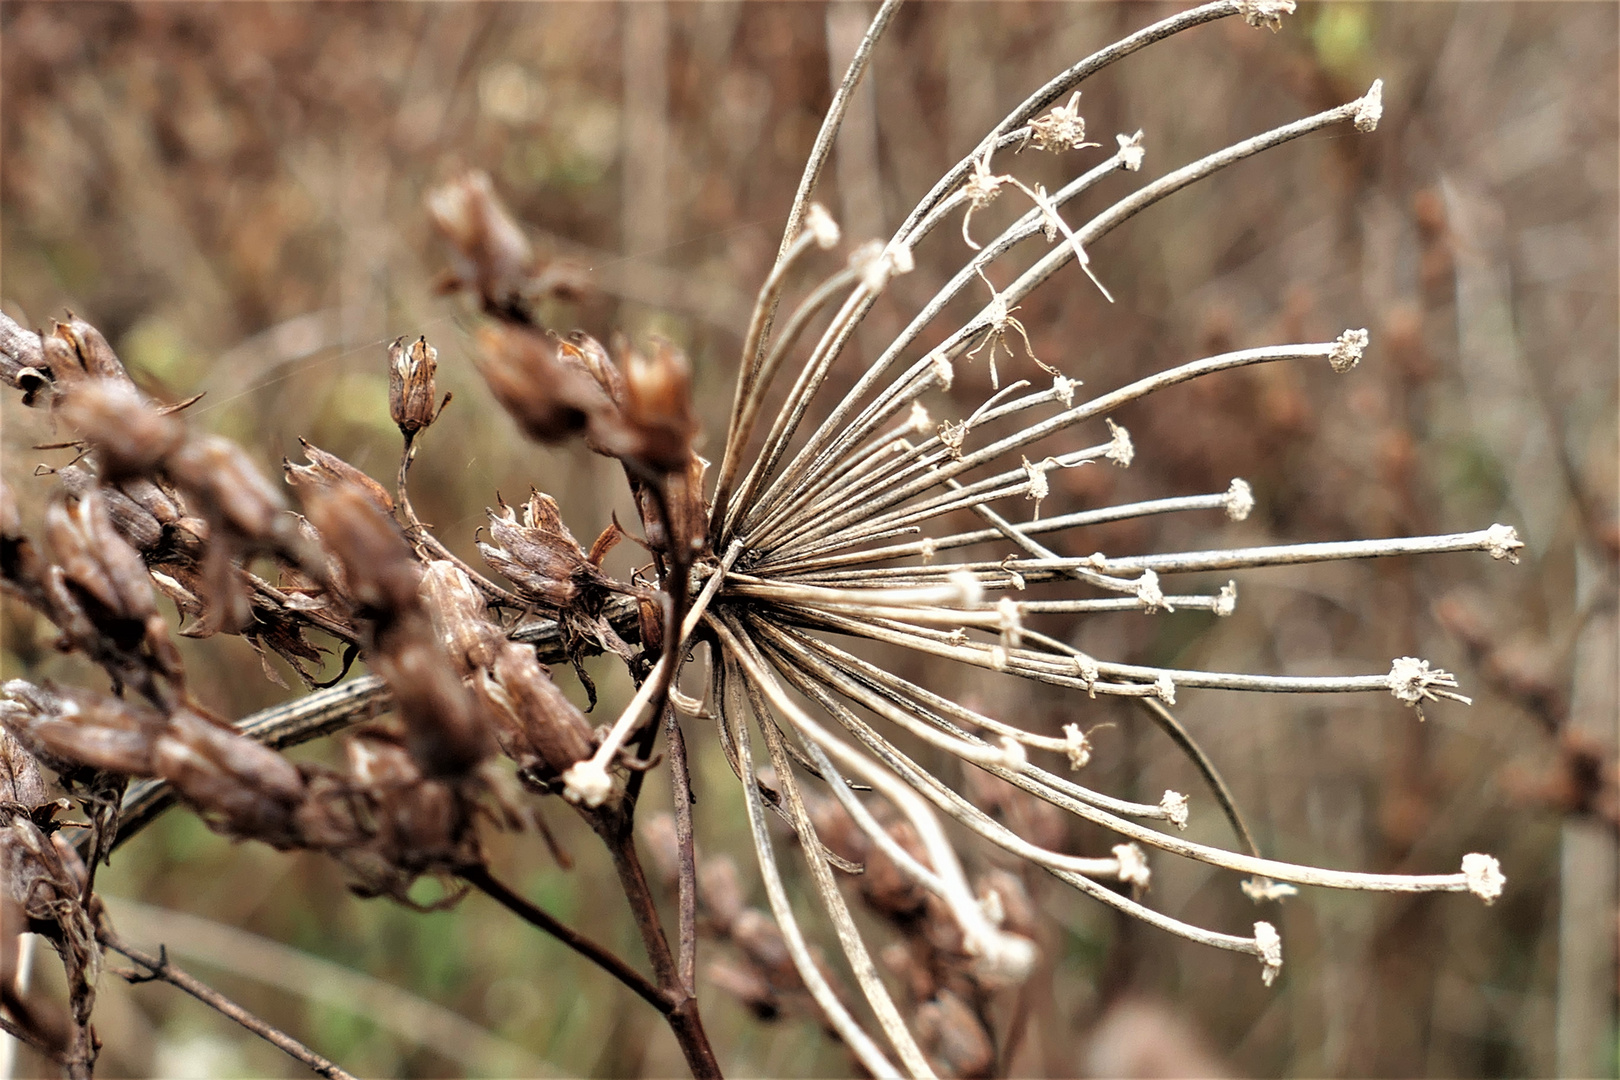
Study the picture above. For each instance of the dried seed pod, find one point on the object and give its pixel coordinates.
(71, 729)
(491, 253)
(96, 560)
(410, 385)
(421, 824)
(241, 788)
(888, 888)
(460, 616)
(326, 469)
(20, 781)
(132, 520)
(224, 478)
(550, 400)
(954, 1037)
(655, 423)
(131, 438)
(581, 348)
(446, 730)
(540, 554)
(533, 713)
(379, 571)
(95, 355)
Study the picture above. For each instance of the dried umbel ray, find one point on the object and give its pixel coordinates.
(814, 536)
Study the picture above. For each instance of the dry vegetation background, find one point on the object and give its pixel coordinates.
(232, 194)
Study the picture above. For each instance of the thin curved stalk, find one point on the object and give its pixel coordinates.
(870, 1055)
(832, 900)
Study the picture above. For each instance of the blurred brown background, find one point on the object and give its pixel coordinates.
(232, 193)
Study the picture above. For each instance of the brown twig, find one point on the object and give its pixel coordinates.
(616, 831)
(481, 879)
(681, 791)
(159, 968)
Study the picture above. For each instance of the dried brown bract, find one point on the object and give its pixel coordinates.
(326, 470)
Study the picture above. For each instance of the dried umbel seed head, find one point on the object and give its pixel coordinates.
(410, 385)
(550, 400)
(1061, 129)
(491, 253)
(326, 470)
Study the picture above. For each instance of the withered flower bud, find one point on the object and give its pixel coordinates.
(95, 355)
(242, 788)
(535, 723)
(540, 556)
(658, 402)
(460, 617)
(223, 476)
(445, 730)
(491, 252)
(130, 436)
(550, 400)
(410, 385)
(97, 560)
(954, 1037)
(325, 470)
(379, 569)
(69, 728)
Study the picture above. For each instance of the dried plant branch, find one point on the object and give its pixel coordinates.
(160, 969)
